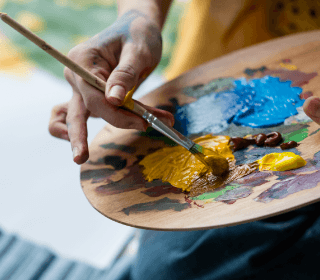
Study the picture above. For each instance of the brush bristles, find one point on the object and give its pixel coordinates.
(196, 149)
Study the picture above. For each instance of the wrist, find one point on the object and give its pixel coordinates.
(153, 10)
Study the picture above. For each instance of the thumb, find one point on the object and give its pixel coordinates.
(123, 78)
(312, 108)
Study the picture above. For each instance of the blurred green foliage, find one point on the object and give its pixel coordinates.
(68, 21)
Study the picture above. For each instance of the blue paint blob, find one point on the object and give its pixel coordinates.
(268, 102)
(256, 103)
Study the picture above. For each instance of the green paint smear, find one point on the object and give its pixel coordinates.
(210, 195)
(297, 135)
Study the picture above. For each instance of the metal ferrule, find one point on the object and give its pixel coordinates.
(170, 132)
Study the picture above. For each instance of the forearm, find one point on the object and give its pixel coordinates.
(155, 10)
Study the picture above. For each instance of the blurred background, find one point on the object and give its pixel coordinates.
(40, 194)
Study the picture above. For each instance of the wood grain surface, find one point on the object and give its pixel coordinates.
(114, 185)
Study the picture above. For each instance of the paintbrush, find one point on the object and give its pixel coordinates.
(210, 159)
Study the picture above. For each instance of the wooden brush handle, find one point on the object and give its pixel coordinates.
(82, 72)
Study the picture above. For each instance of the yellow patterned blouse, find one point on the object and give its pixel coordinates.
(211, 28)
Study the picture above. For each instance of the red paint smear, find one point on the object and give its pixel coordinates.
(187, 199)
(229, 201)
(254, 179)
(306, 95)
(286, 60)
(161, 190)
(195, 203)
(297, 77)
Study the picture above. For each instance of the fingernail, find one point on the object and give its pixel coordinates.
(75, 152)
(118, 93)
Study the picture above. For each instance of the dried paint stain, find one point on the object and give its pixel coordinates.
(163, 189)
(297, 77)
(214, 86)
(231, 196)
(114, 146)
(289, 186)
(252, 71)
(158, 205)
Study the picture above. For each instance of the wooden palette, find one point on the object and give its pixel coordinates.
(114, 185)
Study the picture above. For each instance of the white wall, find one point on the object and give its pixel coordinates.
(40, 194)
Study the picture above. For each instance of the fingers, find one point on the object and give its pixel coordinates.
(95, 102)
(77, 128)
(312, 108)
(117, 116)
(125, 76)
(57, 124)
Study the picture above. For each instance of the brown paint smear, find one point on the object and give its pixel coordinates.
(208, 182)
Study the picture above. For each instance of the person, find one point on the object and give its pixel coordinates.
(285, 246)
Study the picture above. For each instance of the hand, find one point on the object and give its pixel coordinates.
(60, 127)
(68, 122)
(122, 55)
(312, 108)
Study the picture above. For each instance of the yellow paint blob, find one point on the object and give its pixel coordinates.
(31, 21)
(128, 102)
(288, 66)
(281, 161)
(178, 166)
